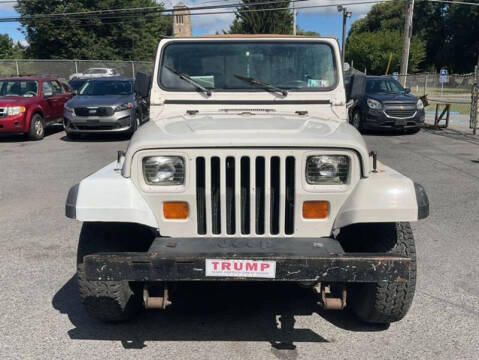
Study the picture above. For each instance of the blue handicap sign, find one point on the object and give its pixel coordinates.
(443, 76)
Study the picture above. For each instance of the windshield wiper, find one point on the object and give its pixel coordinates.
(189, 80)
(261, 84)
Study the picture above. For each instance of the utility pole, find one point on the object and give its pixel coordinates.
(294, 17)
(346, 14)
(406, 41)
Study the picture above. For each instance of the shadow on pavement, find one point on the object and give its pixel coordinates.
(209, 312)
(97, 138)
(11, 138)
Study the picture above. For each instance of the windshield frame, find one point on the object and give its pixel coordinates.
(386, 78)
(79, 91)
(253, 89)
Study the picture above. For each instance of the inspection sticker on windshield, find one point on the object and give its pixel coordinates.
(241, 268)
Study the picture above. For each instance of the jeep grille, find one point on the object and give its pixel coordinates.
(245, 195)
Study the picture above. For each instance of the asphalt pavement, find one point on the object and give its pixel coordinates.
(41, 316)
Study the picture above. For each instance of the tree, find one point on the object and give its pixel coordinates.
(122, 37)
(302, 32)
(371, 50)
(8, 48)
(446, 31)
(262, 22)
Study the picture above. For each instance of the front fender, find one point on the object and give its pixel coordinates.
(385, 196)
(107, 196)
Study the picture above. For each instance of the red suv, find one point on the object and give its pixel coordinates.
(29, 104)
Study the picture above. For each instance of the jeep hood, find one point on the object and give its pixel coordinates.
(236, 130)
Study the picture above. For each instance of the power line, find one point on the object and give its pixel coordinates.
(110, 14)
(455, 2)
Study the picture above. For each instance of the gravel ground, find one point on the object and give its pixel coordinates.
(41, 316)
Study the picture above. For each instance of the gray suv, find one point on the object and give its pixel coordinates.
(105, 105)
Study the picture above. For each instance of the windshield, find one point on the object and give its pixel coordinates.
(98, 88)
(386, 85)
(216, 65)
(18, 88)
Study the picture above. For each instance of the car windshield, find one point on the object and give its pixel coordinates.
(23, 88)
(99, 88)
(386, 85)
(232, 65)
(76, 84)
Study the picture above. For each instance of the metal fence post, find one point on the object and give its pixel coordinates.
(76, 67)
(425, 85)
(16, 65)
(132, 69)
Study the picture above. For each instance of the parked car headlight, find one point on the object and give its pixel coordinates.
(164, 170)
(374, 104)
(15, 110)
(327, 169)
(123, 107)
(420, 104)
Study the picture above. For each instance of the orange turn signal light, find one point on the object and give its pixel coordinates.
(315, 209)
(175, 210)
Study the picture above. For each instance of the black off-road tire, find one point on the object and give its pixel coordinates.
(111, 301)
(383, 302)
(37, 128)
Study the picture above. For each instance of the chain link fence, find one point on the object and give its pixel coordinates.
(65, 68)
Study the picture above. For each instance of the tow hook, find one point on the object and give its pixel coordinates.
(329, 299)
(156, 302)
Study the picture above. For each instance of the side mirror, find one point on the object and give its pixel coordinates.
(346, 67)
(407, 90)
(358, 86)
(74, 92)
(142, 84)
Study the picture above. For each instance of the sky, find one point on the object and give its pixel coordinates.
(325, 21)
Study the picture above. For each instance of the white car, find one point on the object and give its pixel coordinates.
(247, 171)
(95, 73)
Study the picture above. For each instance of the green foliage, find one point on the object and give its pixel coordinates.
(450, 33)
(262, 22)
(9, 49)
(127, 38)
(302, 32)
(371, 50)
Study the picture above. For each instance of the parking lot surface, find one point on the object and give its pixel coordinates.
(41, 316)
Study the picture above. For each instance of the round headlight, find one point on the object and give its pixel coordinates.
(327, 169)
(164, 170)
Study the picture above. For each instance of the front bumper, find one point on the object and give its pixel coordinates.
(120, 121)
(12, 124)
(377, 119)
(296, 259)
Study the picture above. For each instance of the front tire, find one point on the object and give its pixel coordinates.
(383, 302)
(37, 128)
(357, 121)
(111, 301)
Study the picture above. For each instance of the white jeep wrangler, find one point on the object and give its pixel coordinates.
(248, 171)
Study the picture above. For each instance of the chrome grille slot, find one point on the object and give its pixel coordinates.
(215, 196)
(245, 195)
